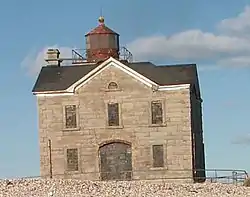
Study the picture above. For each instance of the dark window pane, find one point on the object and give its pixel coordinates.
(72, 159)
(113, 114)
(158, 156)
(112, 86)
(70, 116)
(157, 112)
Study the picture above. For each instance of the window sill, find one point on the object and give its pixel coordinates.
(71, 129)
(158, 125)
(158, 168)
(72, 172)
(114, 90)
(115, 127)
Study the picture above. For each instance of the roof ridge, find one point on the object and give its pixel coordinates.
(142, 62)
(177, 65)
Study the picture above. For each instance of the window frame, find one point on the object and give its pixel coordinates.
(163, 113)
(165, 155)
(119, 114)
(66, 169)
(107, 89)
(113, 83)
(116, 119)
(77, 117)
(153, 156)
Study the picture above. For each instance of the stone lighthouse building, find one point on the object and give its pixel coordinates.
(105, 117)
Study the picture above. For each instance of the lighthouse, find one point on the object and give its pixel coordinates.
(101, 43)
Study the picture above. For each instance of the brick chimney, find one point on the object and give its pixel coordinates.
(53, 57)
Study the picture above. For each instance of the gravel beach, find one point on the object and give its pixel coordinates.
(77, 188)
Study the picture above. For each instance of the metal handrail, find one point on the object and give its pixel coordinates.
(80, 54)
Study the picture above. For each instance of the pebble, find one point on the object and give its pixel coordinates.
(78, 188)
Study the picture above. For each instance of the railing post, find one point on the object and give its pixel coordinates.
(216, 175)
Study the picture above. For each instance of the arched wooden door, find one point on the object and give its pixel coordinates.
(115, 161)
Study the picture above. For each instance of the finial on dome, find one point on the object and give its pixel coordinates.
(101, 20)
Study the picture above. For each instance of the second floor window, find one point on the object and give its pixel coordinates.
(156, 112)
(70, 117)
(113, 114)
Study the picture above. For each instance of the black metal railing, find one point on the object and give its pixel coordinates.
(80, 55)
(125, 54)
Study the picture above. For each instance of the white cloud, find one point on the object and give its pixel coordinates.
(224, 48)
(242, 140)
(231, 47)
(238, 25)
(191, 44)
(239, 61)
(35, 60)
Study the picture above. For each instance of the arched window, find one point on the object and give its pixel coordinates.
(112, 86)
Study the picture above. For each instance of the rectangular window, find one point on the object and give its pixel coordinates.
(113, 114)
(70, 117)
(158, 156)
(72, 159)
(156, 112)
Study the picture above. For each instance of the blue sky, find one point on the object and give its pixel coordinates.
(214, 34)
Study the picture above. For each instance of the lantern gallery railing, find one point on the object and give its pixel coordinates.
(80, 56)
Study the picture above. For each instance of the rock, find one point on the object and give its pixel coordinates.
(77, 188)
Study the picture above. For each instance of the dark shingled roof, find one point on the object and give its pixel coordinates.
(60, 78)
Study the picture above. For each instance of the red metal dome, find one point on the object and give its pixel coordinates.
(101, 43)
(101, 29)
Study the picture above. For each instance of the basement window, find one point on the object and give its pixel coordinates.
(72, 159)
(158, 156)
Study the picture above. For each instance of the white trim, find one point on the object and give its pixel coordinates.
(52, 94)
(68, 93)
(72, 87)
(110, 62)
(174, 87)
(75, 88)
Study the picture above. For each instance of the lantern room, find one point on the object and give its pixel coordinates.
(101, 43)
